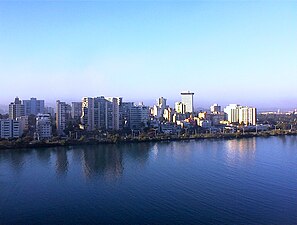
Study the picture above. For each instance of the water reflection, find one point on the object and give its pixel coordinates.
(16, 159)
(44, 155)
(61, 161)
(240, 150)
(139, 153)
(105, 161)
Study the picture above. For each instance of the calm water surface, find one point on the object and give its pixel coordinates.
(248, 181)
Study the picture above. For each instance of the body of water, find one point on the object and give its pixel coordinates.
(246, 181)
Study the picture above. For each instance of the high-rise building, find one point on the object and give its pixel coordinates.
(232, 111)
(9, 128)
(101, 113)
(187, 99)
(61, 116)
(168, 114)
(125, 115)
(241, 114)
(43, 126)
(33, 106)
(87, 117)
(16, 109)
(116, 104)
(180, 107)
(76, 110)
(159, 107)
(248, 115)
(139, 116)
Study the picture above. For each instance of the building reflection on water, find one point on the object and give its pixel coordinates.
(106, 161)
(240, 150)
(61, 161)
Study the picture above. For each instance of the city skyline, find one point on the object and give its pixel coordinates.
(231, 52)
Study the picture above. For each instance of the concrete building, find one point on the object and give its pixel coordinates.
(247, 115)
(9, 128)
(43, 126)
(116, 103)
(215, 108)
(168, 114)
(16, 109)
(187, 100)
(159, 108)
(23, 123)
(49, 110)
(62, 111)
(87, 117)
(139, 116)
(216, 118)
(33, 106)
(241, 114)
(125, 115)
(232, 111)
(101, 113)
(180, 107)
(76, 110)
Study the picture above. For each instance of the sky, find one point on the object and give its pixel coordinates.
(225, 52)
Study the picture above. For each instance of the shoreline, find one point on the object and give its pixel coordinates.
(10, 145)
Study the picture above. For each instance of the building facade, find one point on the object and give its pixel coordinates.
(139, 116)
(43, 126)
(33, 106)
(76, 110)
(187, 100)
(101, 113)
(9, 128)
(241, 114)
(180, 107)
(232, 111)
(62, 111)
(248, 115)
(215, 108)
(16, 109)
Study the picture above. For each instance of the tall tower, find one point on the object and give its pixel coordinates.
(16, 109)
(187, 100)
(61, 116)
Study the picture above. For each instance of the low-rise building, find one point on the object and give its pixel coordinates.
(9, 128)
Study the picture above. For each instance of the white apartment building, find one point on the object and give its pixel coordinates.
(248, 115)
(241, 114)
(116, 110)
(16, 109)
(43, 126)
(101, 113)
(232, 111)
(159, 107)
(187, 100)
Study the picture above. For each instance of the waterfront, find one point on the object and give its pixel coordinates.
(240, 181)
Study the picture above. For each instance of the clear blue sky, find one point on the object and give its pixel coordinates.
(225, 51)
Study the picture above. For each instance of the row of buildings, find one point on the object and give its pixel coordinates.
(112, 113)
